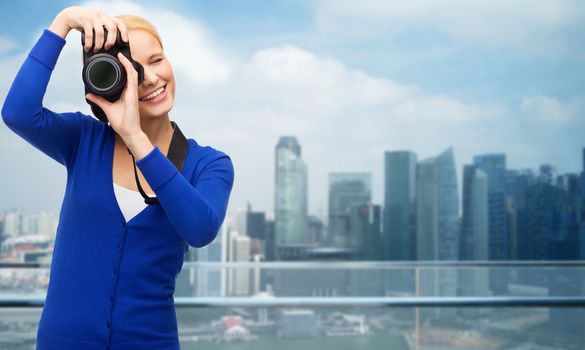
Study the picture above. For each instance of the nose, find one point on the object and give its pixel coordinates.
(150, 78)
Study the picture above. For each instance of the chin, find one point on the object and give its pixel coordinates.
(156, 111)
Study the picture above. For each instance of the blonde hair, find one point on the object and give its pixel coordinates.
(135, 22)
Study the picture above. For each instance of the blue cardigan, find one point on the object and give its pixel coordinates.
(111, 282)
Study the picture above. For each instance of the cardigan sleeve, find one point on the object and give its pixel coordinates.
(55, 134)
(195, 210)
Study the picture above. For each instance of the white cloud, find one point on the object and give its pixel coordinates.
(344, 118)
(519, 24)
(7, 45)
(551, 111)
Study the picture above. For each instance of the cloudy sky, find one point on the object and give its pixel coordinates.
(350, 79)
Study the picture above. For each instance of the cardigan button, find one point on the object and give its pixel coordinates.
(119, 248)
(115, 271)
(109, 325)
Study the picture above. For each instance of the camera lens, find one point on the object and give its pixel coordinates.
(103, 74)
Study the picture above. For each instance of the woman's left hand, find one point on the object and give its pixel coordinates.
(123, 115)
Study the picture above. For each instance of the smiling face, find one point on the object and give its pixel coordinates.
(158, 75)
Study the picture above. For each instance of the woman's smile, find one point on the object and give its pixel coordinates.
(159, 96)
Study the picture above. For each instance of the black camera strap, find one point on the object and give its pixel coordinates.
(177, 153)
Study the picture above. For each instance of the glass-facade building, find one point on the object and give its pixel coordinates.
(346, 191)
(291, 197)
(399, 205)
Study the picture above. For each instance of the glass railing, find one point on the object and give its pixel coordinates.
(349, 305)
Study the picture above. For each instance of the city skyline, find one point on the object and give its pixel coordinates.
(497, 213)
(460, 170)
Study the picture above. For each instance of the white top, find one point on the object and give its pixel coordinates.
(130, 202)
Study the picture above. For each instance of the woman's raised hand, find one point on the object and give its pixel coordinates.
(123, 114)
(89, 21)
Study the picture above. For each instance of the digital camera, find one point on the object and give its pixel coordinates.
(104, 75)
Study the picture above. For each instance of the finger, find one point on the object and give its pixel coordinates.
(112, 32)
(99, 36)
(88, 33)
(122, 26)
(110, 26)
(131, 74)
(98, 100)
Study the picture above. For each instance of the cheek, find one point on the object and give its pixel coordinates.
(171, 88)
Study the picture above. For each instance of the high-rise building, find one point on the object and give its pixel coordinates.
(437, 214)
(250, 223)
(399, 205)
(317, 230)
(346, 191)
(473, 244)
(366, 232)
(547, 174)
(583, 174)
(517, 183)
(269, 243)
(474, 222)
(568, 240)
(583, 160)
(239, 282)
(291, 197)
(494, 166)
(554, 213)
(14, 222)
(437, 223)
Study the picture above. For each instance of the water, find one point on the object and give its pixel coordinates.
(271, 342)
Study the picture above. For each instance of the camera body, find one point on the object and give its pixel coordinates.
(103, 73)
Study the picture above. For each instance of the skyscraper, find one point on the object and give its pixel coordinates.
(346, 191)
(239, 279)
(473, 244)
(437, 213)
(583, 174)
(437, 223)
(366, 229)
(366, 232)
(517, 185)
(474, 223)
(399, 205)
(494, 166)
(291, 197)
(250, 223)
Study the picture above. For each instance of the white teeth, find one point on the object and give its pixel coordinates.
(152, 95)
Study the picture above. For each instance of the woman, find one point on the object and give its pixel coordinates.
(115, 262)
